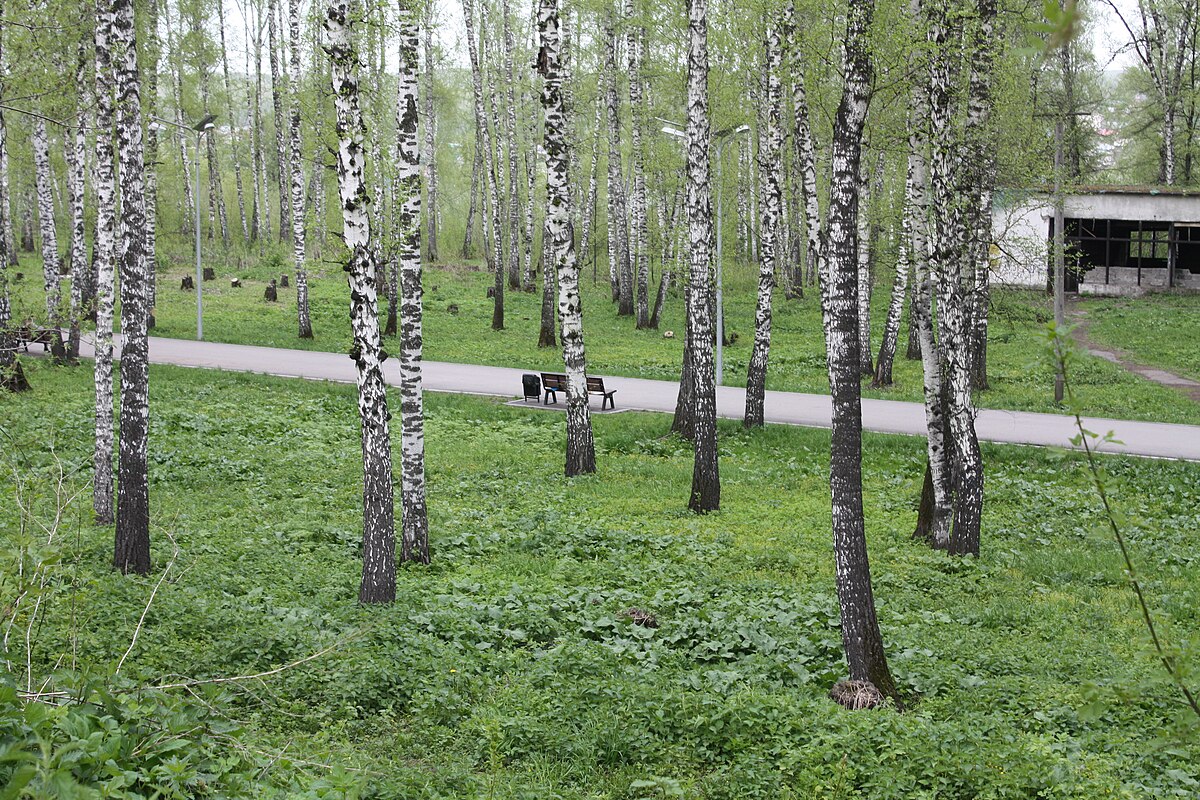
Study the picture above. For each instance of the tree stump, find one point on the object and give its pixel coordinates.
(283, 280)
(271, 294)
(187, 283)
(210, 274)
(235, 283)
(452, 308)
(491, 292)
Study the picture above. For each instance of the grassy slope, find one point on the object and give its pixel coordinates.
(1020, 375)
(1158, 330)
(507, 668)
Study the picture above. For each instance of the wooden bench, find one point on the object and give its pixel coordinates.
(553, 383)
(28, 335)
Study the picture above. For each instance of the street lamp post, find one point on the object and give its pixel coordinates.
(200, 128)
(721, 138)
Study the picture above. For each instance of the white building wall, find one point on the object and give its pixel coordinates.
(1021, 225)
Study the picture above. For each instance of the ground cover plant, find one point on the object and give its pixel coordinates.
(583, 638)
(1158, 330)
(458, 316)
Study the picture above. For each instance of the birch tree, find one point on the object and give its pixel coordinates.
(1160, 34)
(560, 255)
(639, 254)
(948, 252)
(281, 159)
(12, 376)
(618, 240)
(430, 131)
(772, 201)
(805, 155)
(106, 225)
(379, 542)
(51, 269)
(487, 165)
(304, 321)
(75, 148)
(706, 478)
(414, 518)
(863, 222)
(511, 147)
(861, 637)
(132, 544)
(891, 325)
(235, 141)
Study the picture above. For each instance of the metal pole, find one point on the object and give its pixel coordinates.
(1060, 283)
(199, 277)
(720, 376)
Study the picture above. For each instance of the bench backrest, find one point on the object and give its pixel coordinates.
(554, 381)
(595, 384)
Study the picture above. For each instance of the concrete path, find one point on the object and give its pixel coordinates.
(1079, 333)
(1152, 439)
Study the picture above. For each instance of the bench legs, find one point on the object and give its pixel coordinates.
(608, 399)
(550, 394)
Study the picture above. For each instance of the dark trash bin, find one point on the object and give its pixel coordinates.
(532, 386)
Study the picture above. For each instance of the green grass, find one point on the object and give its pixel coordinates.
(1021, 377)
(1161, 330)
(508, 669)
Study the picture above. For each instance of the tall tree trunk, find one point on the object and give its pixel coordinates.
(486, 162)
(982, 172)
(132, 543)
(588, 218)
(6, 218)
(807, 158)
(498, 196)
(76, 167)
(948, 256)
(216, 191)
(379, 535)
(474, 199)
(303, 320)
(430, 154)
(151, 58)
(51, 269)
(511, 148)
(414, 518)
(175, 60)
(262, 196)
(106, 226)
(233, 120)
(891, 326)
(618, 239)
(549, 319)
(639, 253)
(861, 637)
(772, 196)
(277, 94)
(706, 477)
(864, 271)
(12, 376)
(560, 255)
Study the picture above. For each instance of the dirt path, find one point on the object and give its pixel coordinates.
(1079, 319)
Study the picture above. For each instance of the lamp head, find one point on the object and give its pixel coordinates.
(205, 124)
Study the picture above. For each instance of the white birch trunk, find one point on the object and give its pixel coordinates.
(772, 196)
(379, 543)
(706, 478)
(560, 254)
(861, 638)
(106, 227)
(414, 517)
(51, 268)
(132, 541)
(303, 320)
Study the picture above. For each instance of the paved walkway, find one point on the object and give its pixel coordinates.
(1079, 333)
(1152, 439)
